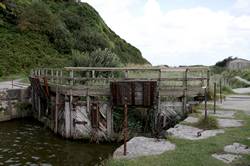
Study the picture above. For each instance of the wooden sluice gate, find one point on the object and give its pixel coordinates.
(100, 103)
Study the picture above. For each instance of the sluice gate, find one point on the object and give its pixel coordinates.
(88, 102)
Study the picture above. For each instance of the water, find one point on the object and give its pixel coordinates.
(27, 142)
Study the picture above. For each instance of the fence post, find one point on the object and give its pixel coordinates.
(208, 80)
(220, 92)
(215, 97)
(205, 103)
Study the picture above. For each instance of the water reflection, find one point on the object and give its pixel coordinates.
(26, 142)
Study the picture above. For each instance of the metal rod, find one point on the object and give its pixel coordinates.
(215, 97)
(125, 127)
(206, 103)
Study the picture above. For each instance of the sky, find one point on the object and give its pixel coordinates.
(181, 32)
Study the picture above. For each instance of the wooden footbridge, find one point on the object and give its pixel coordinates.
(79, 102)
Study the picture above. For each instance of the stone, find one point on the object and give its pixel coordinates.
(192, 133)
(143, 146)
(226, 158)
(230, 123)
(237, 148)
(191, 119)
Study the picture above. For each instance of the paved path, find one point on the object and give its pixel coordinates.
(242, 80)
(16, 84)
(237, 102)
(242, 90)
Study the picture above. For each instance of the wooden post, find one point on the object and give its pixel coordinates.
(126, 74)
(57, 76)
(220, 92)
(109, 122)
(61, 75)
(71, 77)
(215, 97)
(125, 134)
(70, 113)
(39, 107)
(67, 117)
(56, 113)
(205, 93)
(159, 100)
(208, 80)
(185, 84)
(52, 75)
(93, 73)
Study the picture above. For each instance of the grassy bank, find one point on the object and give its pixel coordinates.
(197, 153)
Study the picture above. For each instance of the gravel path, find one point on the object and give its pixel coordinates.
(237, 102)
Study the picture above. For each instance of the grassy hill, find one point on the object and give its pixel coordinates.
(44, 34)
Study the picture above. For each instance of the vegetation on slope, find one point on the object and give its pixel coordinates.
(44, 33)
(220, 70)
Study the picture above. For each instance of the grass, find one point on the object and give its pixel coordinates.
(197, 153)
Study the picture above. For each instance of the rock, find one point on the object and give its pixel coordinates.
(142, 146)
(237, 148)
(230, 123)
(192, 133)
(226, 158)
(191, 120)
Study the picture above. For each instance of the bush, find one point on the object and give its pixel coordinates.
(98, 58)
(209, 123)
(37, 17)
(227, 90)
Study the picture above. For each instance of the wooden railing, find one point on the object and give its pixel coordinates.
(169, 79)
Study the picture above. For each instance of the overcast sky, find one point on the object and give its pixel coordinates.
(181, 32)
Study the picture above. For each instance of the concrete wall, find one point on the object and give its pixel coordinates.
(13, 103)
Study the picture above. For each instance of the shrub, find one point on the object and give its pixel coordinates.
(209, 123)
(227, 89)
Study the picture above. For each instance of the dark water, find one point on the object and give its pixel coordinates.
(26, 142)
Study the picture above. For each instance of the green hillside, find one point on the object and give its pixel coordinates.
(45, 33)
